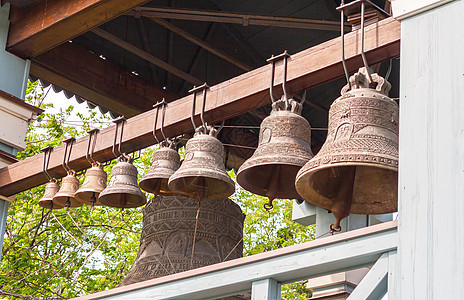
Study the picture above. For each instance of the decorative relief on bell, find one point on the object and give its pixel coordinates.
(168, 233)
(362, 142)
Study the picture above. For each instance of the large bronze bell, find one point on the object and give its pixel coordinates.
(123, 190)
(202, 174)
(357, 167)
(168, 235)
(51, 189)
(284, 147)
(94, 184)
(65, 196)
(165, 162)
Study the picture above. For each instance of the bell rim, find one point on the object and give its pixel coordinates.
(61, 200)
(79, 197)
(141, 202)
(47, 205)
(228, 191)
(325, 202)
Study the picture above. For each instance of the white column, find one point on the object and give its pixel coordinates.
(431, 166)
(266, 289)
(14, 73)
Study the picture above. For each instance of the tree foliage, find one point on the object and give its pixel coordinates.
(60, 254)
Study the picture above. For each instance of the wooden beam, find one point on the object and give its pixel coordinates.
(244, 19)
(145, 55)
(98, 80)
(201, 43)
(37, 28)
(233, 97)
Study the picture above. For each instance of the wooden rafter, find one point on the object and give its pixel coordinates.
(49, 23)
(101, 81)
(236, 96)
(201, 43)
(244, 19)
(147, 56)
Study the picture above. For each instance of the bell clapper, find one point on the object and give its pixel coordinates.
(342, 203)
(51, 205)
(68, 204)
(269, 206)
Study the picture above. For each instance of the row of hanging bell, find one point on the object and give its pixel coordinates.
(201, 175)
(356, 169)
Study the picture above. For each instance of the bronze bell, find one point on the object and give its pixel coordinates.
(123, 190)
(284, 147)
(165, 162)
(94, 184)
(65, 196)
(202, 174)
(51, 189)
(357, 167)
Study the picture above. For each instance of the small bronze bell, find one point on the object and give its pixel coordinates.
(51, 189)
(357, 167)
(202, 174)
(94, 184)
(65, 196)
(284, 147)
(123, 190)
(165, 162)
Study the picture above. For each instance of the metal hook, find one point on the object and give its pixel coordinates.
(89, 154)
(363, 55)
(342, 22)
(195, 89)
(121, 120)
(303, 99)
(273, 60)
(47, 153)
(67, 155)
(164, 103)
(157, 105)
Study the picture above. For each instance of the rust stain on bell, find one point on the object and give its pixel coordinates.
(356, 169)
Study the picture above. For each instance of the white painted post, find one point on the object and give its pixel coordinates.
(431, 166)
(14, 73)
(266, 289)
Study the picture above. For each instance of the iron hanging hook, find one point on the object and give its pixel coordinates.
(90, 149)
(272, 60)
(157, 105)
(363, 55)
(47, 153)
(164, 103)
(67, 155)
(119, 120)
(342, 22)
(195, 89)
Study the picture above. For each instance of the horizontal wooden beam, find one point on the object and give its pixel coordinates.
(233, 97)
(201, 43)
(98, 80)
(244, 19)
(145, 55)
(46, 24)
(341, 252)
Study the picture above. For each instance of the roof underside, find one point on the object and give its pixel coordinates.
(246, 45)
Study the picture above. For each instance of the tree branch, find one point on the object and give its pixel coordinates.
(25, 296)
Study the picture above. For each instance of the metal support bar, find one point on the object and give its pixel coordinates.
(236, 18)
(266, 289)
(147, 56)
(374, 284)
